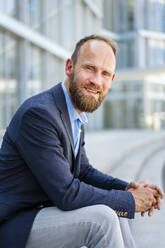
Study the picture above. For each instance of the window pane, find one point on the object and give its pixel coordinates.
(34, 72)
(8, 79)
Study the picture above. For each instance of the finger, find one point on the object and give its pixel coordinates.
(151, 211)
(155, 193)
(155, 201)
(142, 214)
(152, 200)
(140, 184)
(158, 189)
(159, 204)
(134, 185)
(144, 183)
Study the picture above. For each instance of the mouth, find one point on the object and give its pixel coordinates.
(93, 92)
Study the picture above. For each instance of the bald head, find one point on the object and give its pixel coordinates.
(99, 53)
(80, 43)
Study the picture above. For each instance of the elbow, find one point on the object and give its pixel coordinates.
(67, 204)
(65, 208)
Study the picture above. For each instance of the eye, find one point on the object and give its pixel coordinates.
(89, 67)
(106, 74)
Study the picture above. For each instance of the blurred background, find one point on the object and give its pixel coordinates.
(37, 36)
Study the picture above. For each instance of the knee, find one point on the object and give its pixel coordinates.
(105, 214)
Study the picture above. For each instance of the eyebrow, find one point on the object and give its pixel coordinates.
(92, 65)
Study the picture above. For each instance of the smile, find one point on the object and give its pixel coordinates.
(92, 91)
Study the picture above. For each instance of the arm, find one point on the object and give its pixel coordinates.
(145, 198)
(90, 175)
(97, 178)
(40, 146)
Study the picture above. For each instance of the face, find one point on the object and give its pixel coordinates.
(91, 77)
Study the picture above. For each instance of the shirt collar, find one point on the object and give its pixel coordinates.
(71, 109)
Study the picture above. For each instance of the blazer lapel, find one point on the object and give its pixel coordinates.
(61, 105)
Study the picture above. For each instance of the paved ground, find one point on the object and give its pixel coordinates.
(134, 155)
(107, 148)
(149, 231)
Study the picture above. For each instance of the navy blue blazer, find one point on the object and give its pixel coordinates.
(38, 167)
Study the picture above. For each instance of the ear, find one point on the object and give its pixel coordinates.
(113, 76)
(69, 67)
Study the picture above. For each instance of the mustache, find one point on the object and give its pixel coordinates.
(93, 87)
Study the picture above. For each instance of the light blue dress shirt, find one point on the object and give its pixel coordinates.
(75, 119)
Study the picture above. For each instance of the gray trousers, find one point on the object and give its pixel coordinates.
(95, 226)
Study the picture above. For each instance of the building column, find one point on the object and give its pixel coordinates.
(23, 51)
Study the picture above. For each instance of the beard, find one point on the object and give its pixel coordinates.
(83, 102)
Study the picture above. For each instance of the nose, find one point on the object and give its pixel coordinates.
(96, 79)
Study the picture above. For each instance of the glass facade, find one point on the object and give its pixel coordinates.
(34, 84)
(26, 67)
(140, 27)
(34, 11)
(155, 51)
(154, 15)
(116, 11)
(125, 56)
(8, 7)
(8, 78)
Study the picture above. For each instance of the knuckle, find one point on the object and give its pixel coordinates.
(150, 199)
(149, 204)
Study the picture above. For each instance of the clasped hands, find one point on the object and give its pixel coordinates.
(147, 197)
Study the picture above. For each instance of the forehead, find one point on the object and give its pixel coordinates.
(97, 52)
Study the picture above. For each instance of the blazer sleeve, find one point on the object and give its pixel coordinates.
(90, 175)
(38, 142)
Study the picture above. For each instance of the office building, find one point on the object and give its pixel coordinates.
(137, 99)
(37, 36)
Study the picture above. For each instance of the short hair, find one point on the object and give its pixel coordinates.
(79, 44)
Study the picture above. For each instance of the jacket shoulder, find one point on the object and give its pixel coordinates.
(42, 105)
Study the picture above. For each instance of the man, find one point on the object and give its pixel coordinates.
(51, 196)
